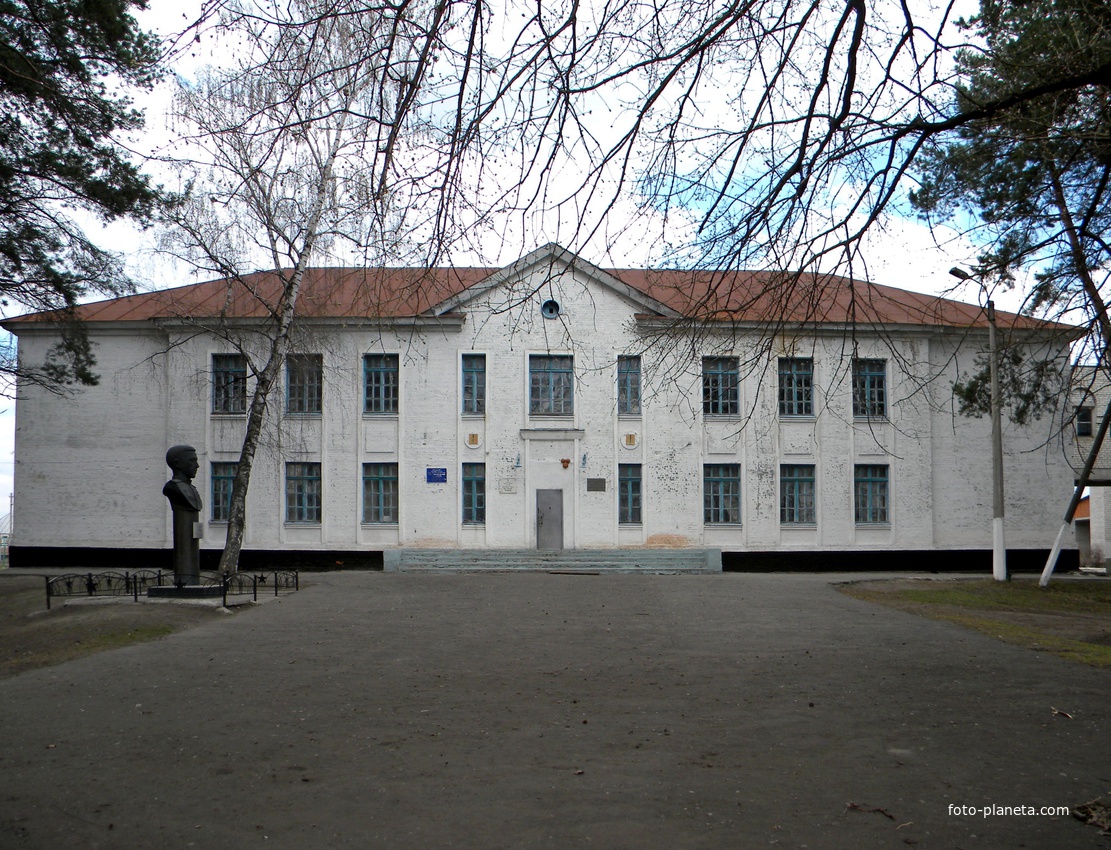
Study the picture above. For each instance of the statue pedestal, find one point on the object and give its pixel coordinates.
(193, 591)
(187, 548)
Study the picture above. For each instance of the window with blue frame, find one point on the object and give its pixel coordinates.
(380, 493)
(222, 479)
(551, 385)
(796, 494)
(380, 383)
(474, 384)
(304, 384)
(229, 383)
(302, 492)
(628, 493)
(721, 493)
(869, 389)
(870, 492)
(720, 386)
(1083, 421)
(796, 386)
(628, 385)
(474, 493)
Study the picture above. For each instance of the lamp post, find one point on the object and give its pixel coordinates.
(998, 544)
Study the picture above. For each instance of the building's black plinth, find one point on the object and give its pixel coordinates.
(190, 591)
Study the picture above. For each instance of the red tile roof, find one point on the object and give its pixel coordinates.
(392, 293)
(1083, 510)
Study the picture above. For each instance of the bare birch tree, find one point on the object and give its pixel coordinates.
(291, 151)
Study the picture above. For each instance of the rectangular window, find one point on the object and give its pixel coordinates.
(628, 493)
(721, 493)
(304, 384)
(551, 381)
(380, 382)
(380, 493)
(796, 386)
(1083, 421)
(302, 492)
(474, 493)
(474, 384)
(229, 383)
(870, 494)
(796, 494)
(628, 386)
(870, 389)
(222, 478)
(720, 382)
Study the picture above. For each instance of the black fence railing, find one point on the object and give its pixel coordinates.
(136, 583)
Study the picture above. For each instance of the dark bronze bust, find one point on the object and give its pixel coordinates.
(179, 489)
(185, 502)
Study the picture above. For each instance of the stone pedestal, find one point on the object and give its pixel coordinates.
(187, 548)
(195, 591)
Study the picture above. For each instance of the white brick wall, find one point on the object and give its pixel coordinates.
(89, 469)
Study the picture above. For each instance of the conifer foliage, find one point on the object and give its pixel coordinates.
(65, 68)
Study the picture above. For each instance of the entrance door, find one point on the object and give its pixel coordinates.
(549, 519)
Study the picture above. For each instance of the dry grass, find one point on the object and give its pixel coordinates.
(1070, 617)
(32, 637)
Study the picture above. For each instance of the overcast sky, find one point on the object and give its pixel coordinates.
(903, 254)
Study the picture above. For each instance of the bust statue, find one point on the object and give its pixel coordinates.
(185, 502)
(179, 489)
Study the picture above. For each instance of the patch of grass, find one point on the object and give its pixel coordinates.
(1093, 654)
(116, 639)
(1093, 597)
(32, 637)
(1071, 619)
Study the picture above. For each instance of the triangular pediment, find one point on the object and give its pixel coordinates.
(553, 261)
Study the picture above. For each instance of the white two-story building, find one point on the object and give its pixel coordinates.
(786, 421)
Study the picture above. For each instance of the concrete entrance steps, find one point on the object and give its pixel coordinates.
(656, 561)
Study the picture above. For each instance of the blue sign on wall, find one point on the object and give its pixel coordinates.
(435, 475)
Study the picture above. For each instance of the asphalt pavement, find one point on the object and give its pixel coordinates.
(375, 710)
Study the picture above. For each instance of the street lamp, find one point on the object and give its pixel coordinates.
(998, 547)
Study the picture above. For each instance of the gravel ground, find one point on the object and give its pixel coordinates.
(555, 711)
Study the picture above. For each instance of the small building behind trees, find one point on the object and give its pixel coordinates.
(788, 421)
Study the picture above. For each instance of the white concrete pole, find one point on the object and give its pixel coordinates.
(998, 544)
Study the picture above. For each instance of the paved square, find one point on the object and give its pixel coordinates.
(555, 711)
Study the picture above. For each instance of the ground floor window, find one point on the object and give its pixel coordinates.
(222, 480)
(302, 492)
(721, 493)
(796, 494)
(380, 493)
(870, 494)
(628, 493)
(474, 493)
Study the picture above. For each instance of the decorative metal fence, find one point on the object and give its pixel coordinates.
(136, 583)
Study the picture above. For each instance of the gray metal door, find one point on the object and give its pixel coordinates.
(549, 519)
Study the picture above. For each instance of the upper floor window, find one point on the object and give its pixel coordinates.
(229, 383)
(720, 383)
(551, 385)
(1083, 421)
(222, 479)
(474, 384)
(380, 493)
(628, 493)
(721, 493)
(796, 386)
(870, 494)
(628, 385)
(304, 383)
(869, 389)
(380, 383)
(474, 493)
(796, 494)
(302, 492)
